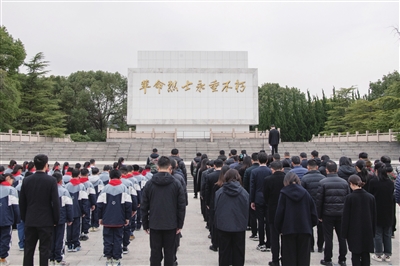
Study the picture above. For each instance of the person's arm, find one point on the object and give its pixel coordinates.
(14, 203)
(346, 218)
(101, 200)
(320, 200)
(181, 207)
(55, 202)
(22, 202)
(144, 207)
(280, 213)
(127, 207)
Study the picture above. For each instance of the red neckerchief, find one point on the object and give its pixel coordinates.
(10, 167)
(65, 167)
(68, 173)
(144, 172)
(16, 174)
(84, 179)
(115, 182)
(129, 175)
(55, 168)
(136, 173)
(1, 173)
(5, 183)
(124, 176)
(75, 181)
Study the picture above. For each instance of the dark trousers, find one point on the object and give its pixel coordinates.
(73, 233)
(362, 259)
(162, 240)
(85, 223)
(94, 218)
(177, 244)
(275, 247)
(296, 249)
(263, 228)
(329, 223)
(58, 242)
(138, 218)
(274, 149)
(32, 235)
(195, 185)
(203, 209)
(112, 242)
(5, 239)
(231, 248)
(213, 229)
(320, 236)
(253, 221)
(126, 234)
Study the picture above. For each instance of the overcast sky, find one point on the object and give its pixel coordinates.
(308, 45)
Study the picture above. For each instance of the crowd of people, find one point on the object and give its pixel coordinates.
(279, 200)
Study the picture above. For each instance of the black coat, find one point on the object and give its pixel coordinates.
(272, 189)
(345, 171)
(273, 137)
(310, 182)
(359, 221)
(163, 204)
(212, 178)
(38, 200)
(383, 193)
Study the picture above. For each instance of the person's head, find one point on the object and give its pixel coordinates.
(381, 171)
(303, 155)
(233, 152)
(285, 163)
(262, 150)
(235, 158)
(276, 156)
(17, 170)
(25, 165)
(115, 174)
(314, 154)
(254, 157)
(7, 178)
(198, 154)
(360, 164)
(58, 177)
(296, 160)
(121, 161)
(276, 166)
(115, 165)
(78, 166)
(312, 165)
(123, 169)
(344, 161)
(243, 152)
(69, 170)
(286, 154)
(272, 126)
(75, 173)
(291, 178)
(95, 171)
(175, 151)
(164, 164)
(210, 163)
(270, 159)
(155, 150)
(355, 182)
(2, 169)
(65, 165)
(56, 166)
(325, 158)
(246, 162)
(221, 178)
(84, 172)
(86, 165)
(262, 158)
(386, 159)
(331, 167)
(106, 168)
(41, 162)
(12, 163)
(31, 167)
(174, 165)
(363, 156)
(203, 164)
(221, 152)
(218, 163)
(232, 175)
(92, 161)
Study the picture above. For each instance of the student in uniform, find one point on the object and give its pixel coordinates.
(84, 178)
(98, 187)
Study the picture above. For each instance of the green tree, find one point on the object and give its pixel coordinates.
(39, 108)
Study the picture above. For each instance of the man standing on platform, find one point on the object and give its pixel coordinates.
(273, 139)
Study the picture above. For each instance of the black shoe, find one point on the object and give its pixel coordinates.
(320, 250)
(273, 263)
(175, 263)
(207, 227)
(195, 197)
(342, 263)
(213, 248)
(328, 263)
(312, 250)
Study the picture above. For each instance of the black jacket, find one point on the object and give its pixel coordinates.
(181, 165)
(310, 182)
(163, 203)
(231, 207)
(257, 184)
(38, 200)
(246, 177)
(359, 221)
(273, 137)
(296, 213)
(272, 189)
(212, 178)
(195, 162)
(383, 192)
(345, 171)
(332, 192)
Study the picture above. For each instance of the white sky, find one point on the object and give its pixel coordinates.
(308, 45)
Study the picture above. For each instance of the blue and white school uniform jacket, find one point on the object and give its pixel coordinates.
(105, 177)
(114, 204)
(97, 184)
(67, 177)
(9, 209)
(66, 208)
(132, 192)
(79, 196)
(136, 186)
(90, 191)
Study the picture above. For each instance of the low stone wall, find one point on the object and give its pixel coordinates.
(19, 137)
(347, 137)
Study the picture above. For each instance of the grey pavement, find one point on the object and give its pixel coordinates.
(193, 250)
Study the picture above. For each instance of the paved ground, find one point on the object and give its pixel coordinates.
(193, 251)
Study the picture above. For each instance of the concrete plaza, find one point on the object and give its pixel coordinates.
(193, 250)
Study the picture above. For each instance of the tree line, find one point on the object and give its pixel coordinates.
(85, 103)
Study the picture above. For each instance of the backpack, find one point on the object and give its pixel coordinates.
(153, 165)
(194, 167)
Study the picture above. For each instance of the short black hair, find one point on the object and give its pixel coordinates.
(218, 163)
(115, 174)
(222, 152)
(58, 177)
(312, 163)
(78, 165)
(363, 155)
(92, 161)
(123, 169)
(40, 161)
(173, 163)
(75, 172)
(129, 168)
(295, 159)
(233, 152)
(12, 163)
(164, 162)
(331, 166)
(254, 156)
(385, 159)
(135, 167)
(303, 155)
(285, 163)
(276, 156)
(198, 154)
(155, 150)
(276, 165)
(106, 168)
(174, 151)
(84, 172)
(325, 157)
(286, 153)
(95, 171)
(314, 153)
(2, 168)
(262, 157)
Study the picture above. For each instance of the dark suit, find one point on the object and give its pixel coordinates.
(273, 140)
(40, 210)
